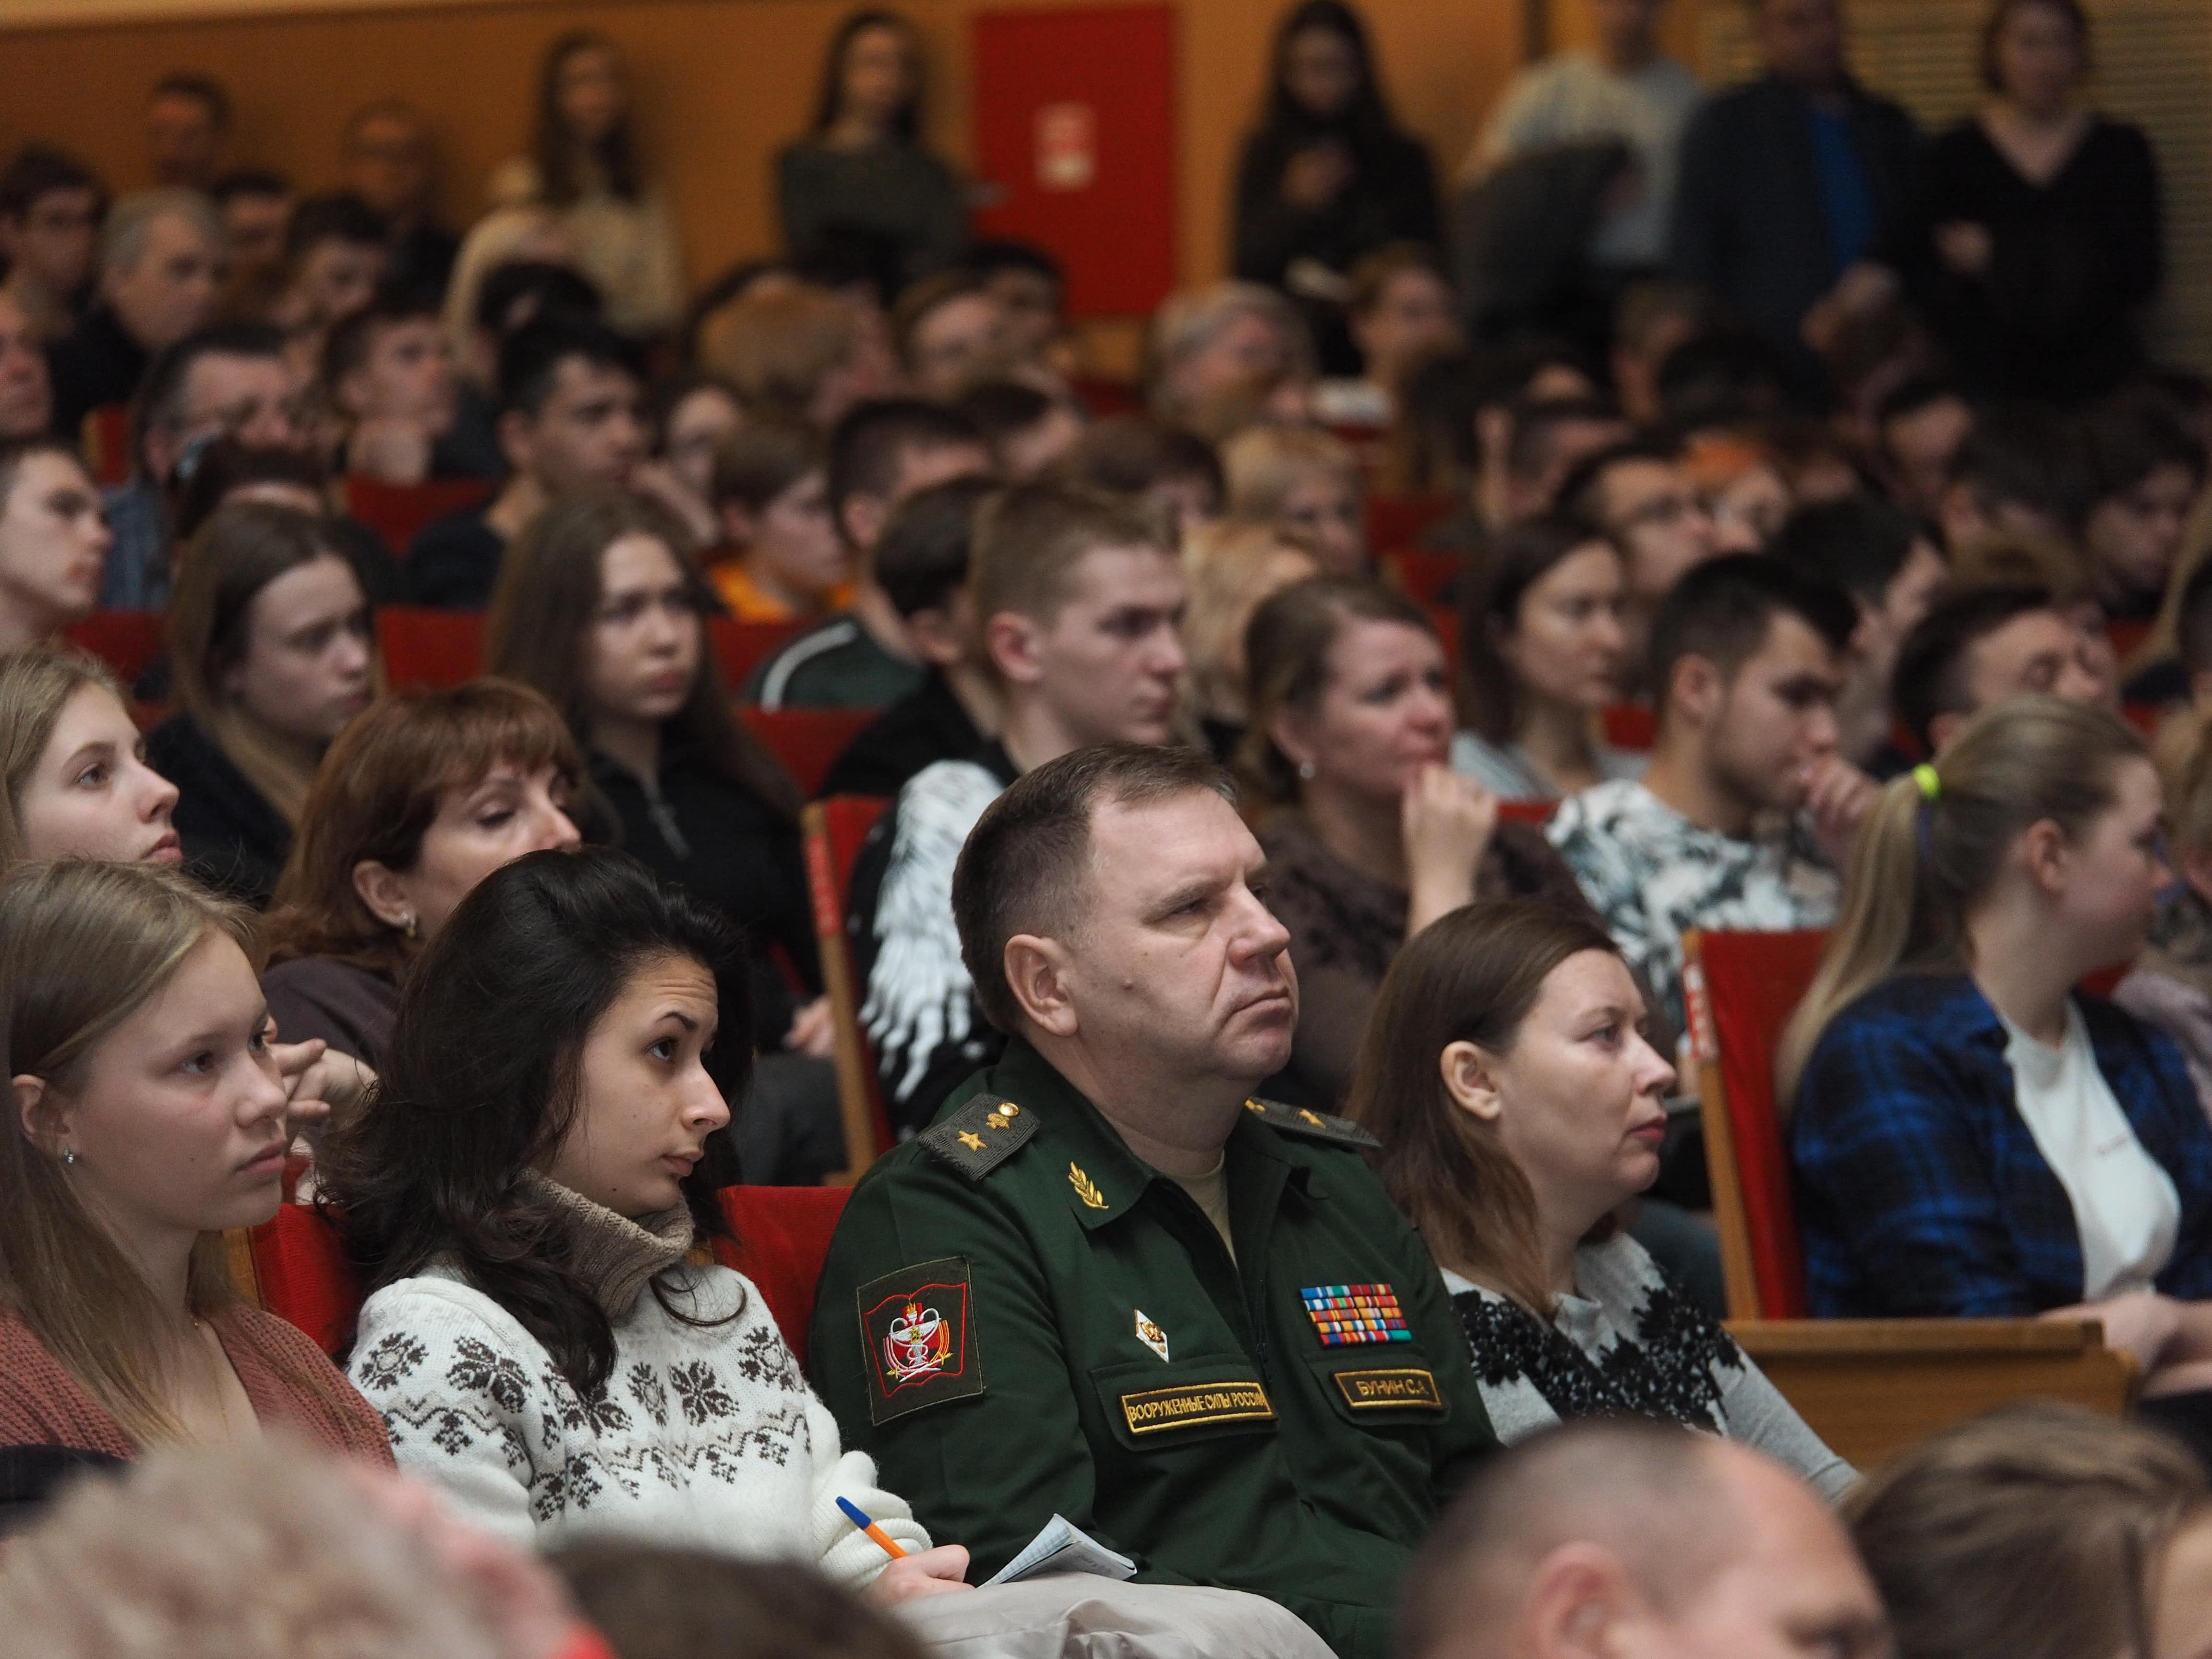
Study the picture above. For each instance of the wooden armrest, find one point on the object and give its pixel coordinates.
(1913, 1338)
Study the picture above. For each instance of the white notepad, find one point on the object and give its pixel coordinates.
(1060, 1546)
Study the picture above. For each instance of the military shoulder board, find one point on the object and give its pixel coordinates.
(1317, 1126)
(980, 1136)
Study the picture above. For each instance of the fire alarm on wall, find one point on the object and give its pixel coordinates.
(1066, 146)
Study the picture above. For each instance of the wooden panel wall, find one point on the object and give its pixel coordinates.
(720, 84)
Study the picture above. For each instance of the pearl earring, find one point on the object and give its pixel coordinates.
(1305, 770)
(409, 924)
(68, 1155)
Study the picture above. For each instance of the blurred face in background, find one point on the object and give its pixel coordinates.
(592, 93)
(26, 400)
(1413, 320)
(2038, 57)
(55, 240)
(1321, 70)
(1803, 40)
(53, 545)
(306, 668)
(1569, 645)
(387, 163)
(876, 77)
(643, 650)
(172, 290)
(184, 139)
(407, 374)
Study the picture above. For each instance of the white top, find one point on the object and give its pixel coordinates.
(1572, 98)
(2124, 1205)
(704, 1438)
(1510, 771)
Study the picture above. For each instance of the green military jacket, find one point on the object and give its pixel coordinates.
(1018, 1318)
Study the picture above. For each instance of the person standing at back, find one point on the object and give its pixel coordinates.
(387, 162)
(1791, 183)
(1327, 176)
(863, 183)
(1078, 598)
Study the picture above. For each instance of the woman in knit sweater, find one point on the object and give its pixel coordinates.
(528, 1199)
(147, 1116)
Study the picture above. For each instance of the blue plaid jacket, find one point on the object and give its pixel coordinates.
(1920, 1191)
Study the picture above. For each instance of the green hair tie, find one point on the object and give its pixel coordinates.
(1930, 785)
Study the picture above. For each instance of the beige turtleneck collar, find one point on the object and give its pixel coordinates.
(615, 1256)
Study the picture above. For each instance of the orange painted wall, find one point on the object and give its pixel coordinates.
(720, 84)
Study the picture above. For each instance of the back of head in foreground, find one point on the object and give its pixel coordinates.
(1617, 1537)
(651, 1603)
(266, 1551)
(2040, 1531)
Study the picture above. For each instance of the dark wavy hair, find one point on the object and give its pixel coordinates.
(906, 125)
(1364, 121)
(553, 147)
(481, 1083)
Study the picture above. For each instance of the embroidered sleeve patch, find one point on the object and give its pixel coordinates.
(1369, 1391)
(1153, 1411)
(918, 1326)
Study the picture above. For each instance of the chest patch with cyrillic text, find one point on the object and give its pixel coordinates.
(1347, 1315)
(1381, 1390)
(918, 1326)
(1194, 1405)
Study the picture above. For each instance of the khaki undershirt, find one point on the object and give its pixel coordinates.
(1210, 1192)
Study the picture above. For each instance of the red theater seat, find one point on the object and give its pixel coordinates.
(834, 830)
(426, 647)
(1396, 522)
(398, 512)
(806, 740)
(127, 641)
(105, 438)
(742, 646)
(1426, 576)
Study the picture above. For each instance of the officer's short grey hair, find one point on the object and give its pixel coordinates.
(130, 224)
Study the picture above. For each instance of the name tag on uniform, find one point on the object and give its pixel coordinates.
(1369, 1391)
(1347, 1315)
(1194, 1405)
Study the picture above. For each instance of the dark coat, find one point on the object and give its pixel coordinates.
(233, 839)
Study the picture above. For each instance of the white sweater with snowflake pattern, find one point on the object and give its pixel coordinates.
(704, 1438)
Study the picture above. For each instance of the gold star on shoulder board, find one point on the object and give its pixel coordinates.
(972, 1141)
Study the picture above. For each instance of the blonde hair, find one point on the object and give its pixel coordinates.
(35, 686)
(1262, 465)
(252, 1552)
(2183, 753)
(1188, 322)
(1920, 861)
(776, 347)
(83, 946)
(1229, 569)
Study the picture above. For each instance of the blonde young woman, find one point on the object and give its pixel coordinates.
(1972, 1135)
(269, 635)
(146, 1116)
(1305, 483)
(74, 781)
(1229, 569)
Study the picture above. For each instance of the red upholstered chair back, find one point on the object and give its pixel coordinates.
(1425, 576)
(127, 641)
(1395, 522)
(396, 512)
(105, 437)
(834, 830)
(1631, 726)
(742, 646)
(783, 1236)
(806, 740)
(1537, 812)
(427, 648)
(1740, 990)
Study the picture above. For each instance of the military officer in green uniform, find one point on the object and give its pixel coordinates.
(1106, 1283)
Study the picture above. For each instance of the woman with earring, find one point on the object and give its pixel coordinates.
(146, 1117)
(419, 799)
(1519, 1107)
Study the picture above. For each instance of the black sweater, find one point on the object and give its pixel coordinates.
(233, 840)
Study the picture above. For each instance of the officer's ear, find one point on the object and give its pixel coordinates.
(1582, 1604)
(1037, 973)
(1467, 1073)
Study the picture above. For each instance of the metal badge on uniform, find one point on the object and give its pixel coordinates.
(919, 1328)
(1346, 1314)
(1152, 1335)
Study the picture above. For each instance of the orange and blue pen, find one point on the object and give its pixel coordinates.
(859, 1517)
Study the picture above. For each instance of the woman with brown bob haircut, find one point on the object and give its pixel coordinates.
(601, 608)
(1520, 1106)
(418, 800)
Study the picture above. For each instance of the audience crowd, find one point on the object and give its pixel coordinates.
(509, 764)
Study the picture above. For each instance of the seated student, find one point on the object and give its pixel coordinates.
(1739, 482)
(1918, 428)
(601, 608)
(1401, 313)
(254, 203)
(1176, 471)
(2057, 565)
(73, 766)
(798, 351)
(921, 564)
(1893, 574)
(1030, 431)
(525, 1218)
(1031, 288)
(335, 257)
(1305, 481)
(950, 333)
(1746, 810)
(1978, 647)
(123, 1166)
(1540, 442)
(770, 493)
(880, 454)
(1231, 569)
(1114, 1160)
(1372, 837)
(2013, 475)
(2142, 468)
(388, 376)
(1542, 654)
(1519, 1106)
(2040, 1531)
(49, 208)
(1626, 1537)
(26, 393)
(419, 799)
(53, 541)
(1219, 359)
(1971, 1136)
(1638, 493)
(1076, 598)
(693, 415)
(571, 420)
(268, 641)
